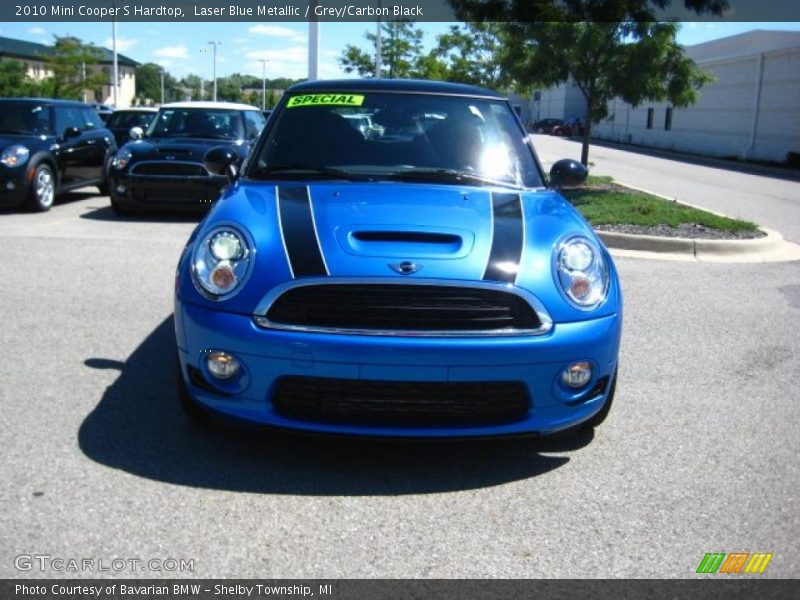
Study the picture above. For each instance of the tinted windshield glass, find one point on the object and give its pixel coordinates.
(25, 119)
(197, 122)
(122, 118)
(398, 136)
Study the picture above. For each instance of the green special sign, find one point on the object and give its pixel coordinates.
(326, 99)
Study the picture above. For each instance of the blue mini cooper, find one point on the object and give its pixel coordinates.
(391, 261)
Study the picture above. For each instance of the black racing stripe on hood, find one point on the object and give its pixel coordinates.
(299, 232)
(507, 238)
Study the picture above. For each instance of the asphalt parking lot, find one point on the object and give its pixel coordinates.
(700, 453)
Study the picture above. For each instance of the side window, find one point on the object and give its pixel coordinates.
(253, 124)
(68, 116)
(90, 119)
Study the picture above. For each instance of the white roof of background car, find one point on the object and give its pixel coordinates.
(201, 104)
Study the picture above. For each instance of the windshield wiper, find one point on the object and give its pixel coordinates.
(293, 171)
(448, 176)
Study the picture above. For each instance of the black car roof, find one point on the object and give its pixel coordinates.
(410, 86)
(50, 101)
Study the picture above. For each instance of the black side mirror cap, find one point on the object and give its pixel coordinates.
(568, 173)
(222, 161)
(71, 132)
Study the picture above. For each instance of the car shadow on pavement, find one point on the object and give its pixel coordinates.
(138, 427)
(106, 213)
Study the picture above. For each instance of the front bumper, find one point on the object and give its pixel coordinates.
(268, 355)
(171, 192)
(14, 188)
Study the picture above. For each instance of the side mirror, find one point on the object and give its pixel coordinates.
(221, 161)
(71, 132)
(568, 173)
(136, 133)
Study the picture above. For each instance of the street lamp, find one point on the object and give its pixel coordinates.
(263, 62)
(215, 44)
(161, 72)
(114, 50)
(378, 43)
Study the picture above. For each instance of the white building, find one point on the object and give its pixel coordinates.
(751, 110)
(33, 55)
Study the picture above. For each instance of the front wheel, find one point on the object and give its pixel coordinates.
(187, 403)
(43, 189)
(601, 416)
(117, 207)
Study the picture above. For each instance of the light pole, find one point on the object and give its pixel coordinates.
(215, 44)
(313, 42)
(263, 62)
(162, 86)
(114, 50)
(378, 48)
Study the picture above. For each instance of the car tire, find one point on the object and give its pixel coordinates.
(43, 188)
(601, 416)
(104, 187)
(117, 207)
(190, 408)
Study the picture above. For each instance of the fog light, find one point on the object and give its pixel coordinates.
(121, 189)
(577, 374)
(222, 365)
(10, 185)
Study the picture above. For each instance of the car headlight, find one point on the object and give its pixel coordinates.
(122, 158)
(582, 272)
(220, 262)
(15, 156)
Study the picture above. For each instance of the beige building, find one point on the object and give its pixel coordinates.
(751, 111)
(32, 55)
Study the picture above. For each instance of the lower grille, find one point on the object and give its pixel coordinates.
(395, 307)
(170, 169)
(400, 403)
(175, 195)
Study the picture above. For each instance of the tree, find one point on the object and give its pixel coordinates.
(469, 55)
(193, 84)
(14, 80)
(75, 68)
(608, 48)
(148, 85)
(401, 51)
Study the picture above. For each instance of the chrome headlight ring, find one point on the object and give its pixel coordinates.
(221, 262)
(581, 272)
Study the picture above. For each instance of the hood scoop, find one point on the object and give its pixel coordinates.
(178, 151)
(400, 243)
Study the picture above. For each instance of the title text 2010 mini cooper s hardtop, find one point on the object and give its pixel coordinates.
(389, 261)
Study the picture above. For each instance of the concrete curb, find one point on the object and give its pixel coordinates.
(770, 248)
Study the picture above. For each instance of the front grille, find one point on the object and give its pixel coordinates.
(170, 169)
(417, 308)
(400, 403)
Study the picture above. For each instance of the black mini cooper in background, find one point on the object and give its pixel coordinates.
(47, 147)
(163, 167)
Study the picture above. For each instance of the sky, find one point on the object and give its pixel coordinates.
(182, 48)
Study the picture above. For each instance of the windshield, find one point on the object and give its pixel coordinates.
(198, 123)
(123, 119)
(410, 137)
(25, 119)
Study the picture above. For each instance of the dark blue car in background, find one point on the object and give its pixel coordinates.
(417, 277)
(163, 167)
(47, 147)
